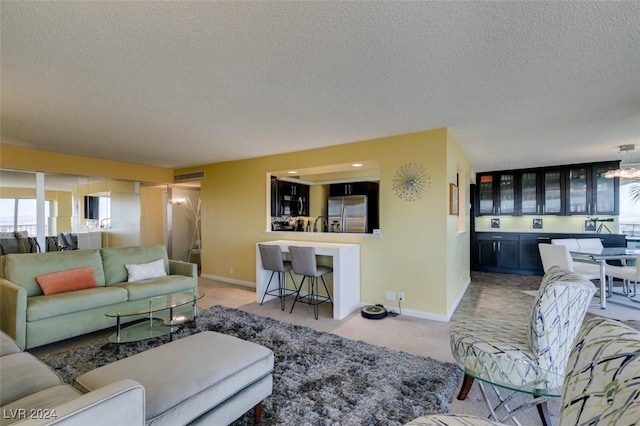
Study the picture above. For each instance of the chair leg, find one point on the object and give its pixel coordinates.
(297, 294)
(465, 388)
(326, 289)
(543, 411)
(267, 288)
(281, 282)
(315, 295)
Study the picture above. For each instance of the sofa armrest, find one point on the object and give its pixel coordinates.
(13, 311)
(178, 267)
(120, 403)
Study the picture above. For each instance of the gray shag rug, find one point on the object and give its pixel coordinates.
(318, 378)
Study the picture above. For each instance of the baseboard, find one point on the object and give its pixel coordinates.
(458, 300)
(408, 312)
(229, 280)
(412, 313)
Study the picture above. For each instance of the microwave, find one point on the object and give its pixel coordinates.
(293, 205)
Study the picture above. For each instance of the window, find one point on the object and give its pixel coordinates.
(19, 215)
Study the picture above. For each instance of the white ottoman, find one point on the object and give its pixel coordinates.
(208, 378)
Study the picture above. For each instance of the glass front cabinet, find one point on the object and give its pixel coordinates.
(564, 190)
(590, 192)
(496, 194)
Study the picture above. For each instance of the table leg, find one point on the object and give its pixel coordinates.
(118, 328)
(603, 285)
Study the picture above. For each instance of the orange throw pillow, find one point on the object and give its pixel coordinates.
(69, 280)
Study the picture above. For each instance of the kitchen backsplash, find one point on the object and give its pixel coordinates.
(545, 224)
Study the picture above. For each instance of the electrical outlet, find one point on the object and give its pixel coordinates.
(400, 297)
(391, 295)
(231, 270)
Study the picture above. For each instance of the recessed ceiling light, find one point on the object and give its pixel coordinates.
(357, 165)
(292, 172)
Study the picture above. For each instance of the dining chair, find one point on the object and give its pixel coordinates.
(544, 342)
(589, 243)
(601, 385)
(629, 275)
(271, 258)
(558, 254)
(304, 263)
(571, 243)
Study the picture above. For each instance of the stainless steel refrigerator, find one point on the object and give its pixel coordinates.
(348, 214)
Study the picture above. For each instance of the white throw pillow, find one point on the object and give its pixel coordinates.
(144, 271)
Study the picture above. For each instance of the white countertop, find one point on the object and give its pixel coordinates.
(316, 244)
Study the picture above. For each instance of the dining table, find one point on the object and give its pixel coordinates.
(600, 256)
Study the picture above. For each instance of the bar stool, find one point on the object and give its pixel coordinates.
(271, 257)
(304, 263)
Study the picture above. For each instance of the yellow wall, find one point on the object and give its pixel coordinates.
(414, 253)
(152, 222)
(12, 157)
(419, 253)
(458, 227)
(119, 182)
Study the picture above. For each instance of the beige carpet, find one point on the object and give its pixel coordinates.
(489, 295)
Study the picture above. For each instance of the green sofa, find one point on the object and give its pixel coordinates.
(34, 319)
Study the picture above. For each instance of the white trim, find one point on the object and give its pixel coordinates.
(458, 300)
(412, 313)
(229, 280)
(407, 312)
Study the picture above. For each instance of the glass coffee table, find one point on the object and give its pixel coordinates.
(164, 314)
(518, 376)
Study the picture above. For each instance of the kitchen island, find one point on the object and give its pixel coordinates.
(346, 272)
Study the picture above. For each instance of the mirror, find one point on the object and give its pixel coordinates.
(337, 198)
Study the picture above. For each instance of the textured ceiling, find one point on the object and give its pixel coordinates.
(183, 83)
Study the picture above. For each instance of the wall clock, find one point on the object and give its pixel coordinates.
(411, 181)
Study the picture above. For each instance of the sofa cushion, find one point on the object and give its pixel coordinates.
(114, 260)
(144, 271)
(40, 307)
(8, 345)
(23, 269)
(212, 367)
(157, 286)
(69, 280)
(23, 374)
(46, 399)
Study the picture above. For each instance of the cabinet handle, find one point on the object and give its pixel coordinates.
(496, 236)
(498, 245)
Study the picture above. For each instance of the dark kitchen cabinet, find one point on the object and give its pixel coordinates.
(540, 192)
(293, 199)
(590, 192)
(518, 253)
(497, 193)
(275, 200)
(559, 190)
(352, 188)
(498, 250)
(529, 254)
